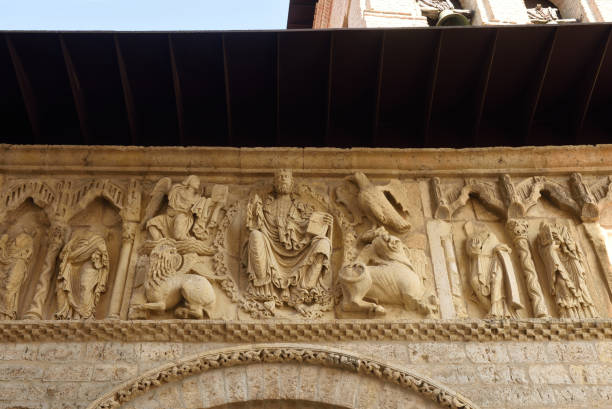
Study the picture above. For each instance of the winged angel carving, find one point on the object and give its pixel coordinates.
(178, 269)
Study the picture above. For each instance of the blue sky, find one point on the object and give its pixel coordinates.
(143, 14)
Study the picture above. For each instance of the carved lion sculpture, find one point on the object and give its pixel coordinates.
(388, 277)
(169, 281)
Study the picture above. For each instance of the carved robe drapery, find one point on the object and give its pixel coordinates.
(13, 268)
(282, 254)
(491, 275)
(564, 263)
(82, 277)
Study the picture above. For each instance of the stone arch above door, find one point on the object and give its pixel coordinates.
(269, 375)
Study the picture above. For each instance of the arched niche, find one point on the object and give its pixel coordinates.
(280, 376)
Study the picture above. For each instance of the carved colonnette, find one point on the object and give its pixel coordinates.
(319, 244)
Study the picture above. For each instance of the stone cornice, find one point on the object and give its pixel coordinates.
(32, 159)
(302, 331)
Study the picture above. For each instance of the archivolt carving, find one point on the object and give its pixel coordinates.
(79, 198)
(310, 355)
(447, 204)
(535, 187)
(18, 192)
(509, 200)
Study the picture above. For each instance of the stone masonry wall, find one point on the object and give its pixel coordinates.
(501, 375)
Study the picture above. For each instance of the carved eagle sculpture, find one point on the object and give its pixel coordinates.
(377, 202)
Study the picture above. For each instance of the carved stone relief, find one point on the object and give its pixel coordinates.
(82, 276)
(566, 267)
(385, 273)
(302, 247)
(491, 274)
(15, 256)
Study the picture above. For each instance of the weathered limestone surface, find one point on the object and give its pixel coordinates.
(499, 375)
(152, 277)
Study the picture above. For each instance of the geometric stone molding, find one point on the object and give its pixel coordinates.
(265, 354)
(299, 331)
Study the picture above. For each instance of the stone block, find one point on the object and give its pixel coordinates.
(110, 351)
(581, 352)
(159, 351)
(72, 372)
(549, 374)
(235, 384)
(450, 352)
(114, 372)
(65, 351)
(487, 353)
(15, 371)
(18, 352)
(192, 393)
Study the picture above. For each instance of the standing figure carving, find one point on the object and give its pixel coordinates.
(14, 259)
(385, 274)
(491, 273)
(288, 250)
(82, 277)
(566, 267)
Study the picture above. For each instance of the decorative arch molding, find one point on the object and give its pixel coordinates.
(40, 192)
(349, 362)
(90, 191)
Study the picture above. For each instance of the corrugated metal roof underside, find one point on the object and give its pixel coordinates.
(430, 87)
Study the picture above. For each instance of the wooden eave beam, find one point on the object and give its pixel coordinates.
(432, 90)
(484, 86)
(26, 90)
(379, 75)
(127, 93)
(228, 104)
(329, 90)
(583, 109)
(537, 93)
(77, 91)
(178, 94)
(278, 126)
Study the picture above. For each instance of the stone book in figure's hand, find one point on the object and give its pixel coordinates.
(318, 224)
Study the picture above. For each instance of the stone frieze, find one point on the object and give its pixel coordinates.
(280, 244)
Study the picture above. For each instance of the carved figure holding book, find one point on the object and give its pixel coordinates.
(288, 249)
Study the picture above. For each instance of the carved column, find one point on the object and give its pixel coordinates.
(518, 231)
(131, 215)
(598, 240)
(57, 234)
(453, 273)
(446, 274)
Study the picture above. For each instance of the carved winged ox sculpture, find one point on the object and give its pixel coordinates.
(382, 205)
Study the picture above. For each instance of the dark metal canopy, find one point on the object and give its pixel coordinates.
(422, 87)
